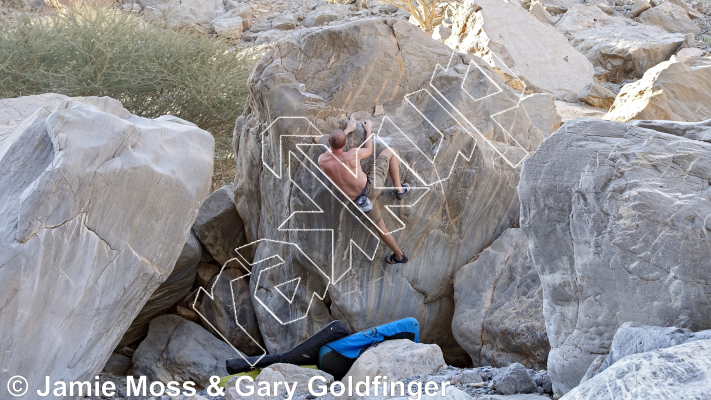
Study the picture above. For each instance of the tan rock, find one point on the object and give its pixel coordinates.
(570, 111)
(539, 11)
(538, 54)
(670, 17)
(673, 90)
(597, 95)
(638, 7)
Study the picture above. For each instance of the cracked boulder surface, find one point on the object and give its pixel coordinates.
(366, 69)
(498, 315)
(618, 218)
(95, 208)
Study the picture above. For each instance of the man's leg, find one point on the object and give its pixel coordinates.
(389, 239)
(394, 168)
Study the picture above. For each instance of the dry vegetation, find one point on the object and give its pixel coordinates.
(89, 50)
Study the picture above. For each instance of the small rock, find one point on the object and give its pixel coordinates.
(639, 7)
(118, 364)
(188, 314)
(597, 95)
(205, 273)
(471, 376)
(514, 379)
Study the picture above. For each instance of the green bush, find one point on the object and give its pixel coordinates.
(99, 51)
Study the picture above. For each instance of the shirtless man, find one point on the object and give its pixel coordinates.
(362, 186)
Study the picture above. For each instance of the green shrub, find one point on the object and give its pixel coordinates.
(99, 51)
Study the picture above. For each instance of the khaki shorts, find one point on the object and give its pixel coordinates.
(377, 180)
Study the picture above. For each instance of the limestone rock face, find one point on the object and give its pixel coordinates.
(184, 14)
(679, 372)
(397, 359)
(179, 350)
(624, 48)
(316, 75)
(670, 17)
(633, 338)
(678, 90)
(616, 218)
(169, 293)
(539, 54)
(85, 240)
(498, 315)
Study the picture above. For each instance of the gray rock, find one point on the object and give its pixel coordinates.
(218, 225)
(285, 22)
(670, 17)
(95, 207)
(118, 364)
(184, 14)
(169, 293)
(538, 54)
(228, 26)
(597, 95)
(219, 312)
(471, 376)
(280, 373)
(636, 47)
(323, 15)
(633, 338)
(559, 6)
(448, 227)
(397, 359)
(498, 315)
(679, 372)
(513, 379)
(615, 215)
(179, 350)
(638, 7)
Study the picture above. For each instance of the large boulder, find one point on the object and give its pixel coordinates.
(498, 314)
(633, 338)
(184, 14)
(678, 90)
(624, 48)
(670, 17)
(169, 293)
(617, 221)
(317, 76)
(95, 207)
(180, 350)
(539, 54)
(679, 372)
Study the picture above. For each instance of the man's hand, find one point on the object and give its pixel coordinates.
(351, 126)
(368, 125)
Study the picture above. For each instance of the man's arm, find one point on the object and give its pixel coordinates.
(367, 150)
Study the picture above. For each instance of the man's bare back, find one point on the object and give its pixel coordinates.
(343, 168)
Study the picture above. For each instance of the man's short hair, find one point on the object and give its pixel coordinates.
(337, 139)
